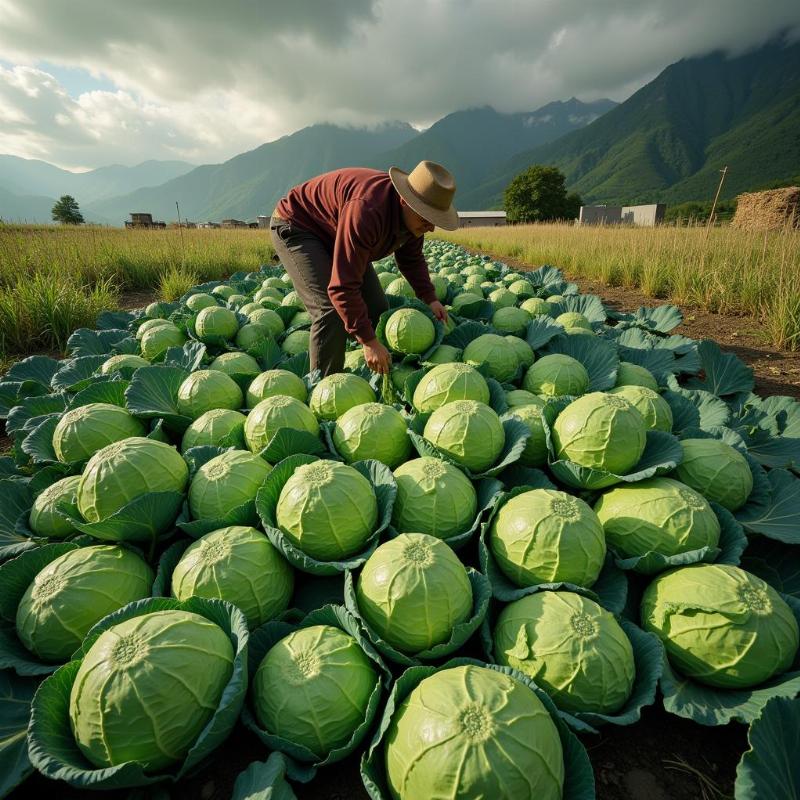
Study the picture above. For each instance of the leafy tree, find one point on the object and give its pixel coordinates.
(66, 210)
(539, 195)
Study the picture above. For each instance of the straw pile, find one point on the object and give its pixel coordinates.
(766, 211)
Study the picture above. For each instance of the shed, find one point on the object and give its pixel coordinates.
(474, 219)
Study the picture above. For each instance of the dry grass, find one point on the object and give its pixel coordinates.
(55, 279)
(721, 270)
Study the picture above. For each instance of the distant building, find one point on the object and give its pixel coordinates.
(208, 224)
(645, 215)
(234, 223)
(475, 219)
(251, 223)
(184, 223)
(263, 220)
(141, 219)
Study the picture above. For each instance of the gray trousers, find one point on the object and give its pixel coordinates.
(309, 264)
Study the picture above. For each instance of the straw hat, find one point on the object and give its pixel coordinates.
(429, 190)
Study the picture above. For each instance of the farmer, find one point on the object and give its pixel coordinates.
(328, 230)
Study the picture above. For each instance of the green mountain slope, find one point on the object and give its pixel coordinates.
(34, 209)
(669, 139)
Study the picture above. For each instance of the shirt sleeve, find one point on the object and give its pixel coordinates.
(356, 234)
(412, 264)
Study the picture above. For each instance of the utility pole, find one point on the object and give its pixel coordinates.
(724, 172)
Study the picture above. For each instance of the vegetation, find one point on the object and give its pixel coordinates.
(720, 270)
(67, 211)
(56, 279)
(539, 194)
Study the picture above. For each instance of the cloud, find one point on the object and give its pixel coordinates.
(204, 81)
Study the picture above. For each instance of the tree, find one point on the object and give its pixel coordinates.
(539, 194)
(66, 210)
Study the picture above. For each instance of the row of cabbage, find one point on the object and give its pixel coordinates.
(545, 513)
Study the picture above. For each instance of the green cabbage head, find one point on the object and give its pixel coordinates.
(44, 518)
(81, 432)
(137, 696)
(338, 393)
(413, 591)
(716, 470)
(471, 731)
(313, 688)
(629, 374)
(75, 591)
(327, 509)
(469, 432)
(207, 389)
(226, 482)
(547, 536)
(220, 427)
(270, 415)
(721, 625)
(433, 497)
(651, 405)
(600, 431)
(448, 382)
(573, 649)
(555, 375)
(273, 382)
(240, 565)
(372, 430)
(409, 331)
(492, 350)
(658, 515)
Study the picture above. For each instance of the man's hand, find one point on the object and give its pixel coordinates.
(439, 311)
(377, 357)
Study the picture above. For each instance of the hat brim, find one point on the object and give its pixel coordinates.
(447, 219)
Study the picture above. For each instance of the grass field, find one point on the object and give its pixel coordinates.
(723, 270)
(56, 279)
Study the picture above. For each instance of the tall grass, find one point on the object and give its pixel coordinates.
(55, 279)
(721, 270)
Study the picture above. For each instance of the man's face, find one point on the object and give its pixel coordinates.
(417, 225)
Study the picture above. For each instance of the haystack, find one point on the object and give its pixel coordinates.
(770, 210)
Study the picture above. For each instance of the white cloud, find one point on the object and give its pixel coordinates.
(205, 80)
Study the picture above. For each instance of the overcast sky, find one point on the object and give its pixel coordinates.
(94, 82)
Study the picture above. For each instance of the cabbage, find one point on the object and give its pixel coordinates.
(652, 406)
(123, 363)
(300, 318)
(338, 393)
(313, 688)
(158, 340)
(413, 591)
(547, 536)
(600, 431)
(716, 470)
(503, 298)
(81, 432)
(443, 354)
(269, 319)
(354, 359)
(535, 452)
(296, 342)
(235, 363)
(276, 381)
(219, 427)
(511, 320)
(166, 672)
(151, 324)
(573, 319)
(448, 382)
(465, 299)
(468, 432)
(556, 375)
(226, 482)
(208, 389)
(433, 497)
(44, 518)
(224, 291)
(440, 287)
(572, 648)
(721, 625)
(400, 287)
(240, 565)
(400, 374)
(493, 351)
(536, 307)
(328, 510)
(199, 301)
(633, 375)
(215, 322)
(522, 350)
(75, 591)
(123, 471)
(469, 732)
(372, 430)
(294, 299)
(409, 331)
(521, 397)
(521, 286)
(659, 515)
(269, 416)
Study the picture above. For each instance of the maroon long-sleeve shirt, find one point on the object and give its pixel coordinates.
(356, 213)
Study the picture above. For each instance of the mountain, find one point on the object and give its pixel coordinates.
(22, 176)
(668, 141)
(475, 142)
(35, 208)
(251, 183)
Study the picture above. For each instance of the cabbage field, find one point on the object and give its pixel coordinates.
(548, 517)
